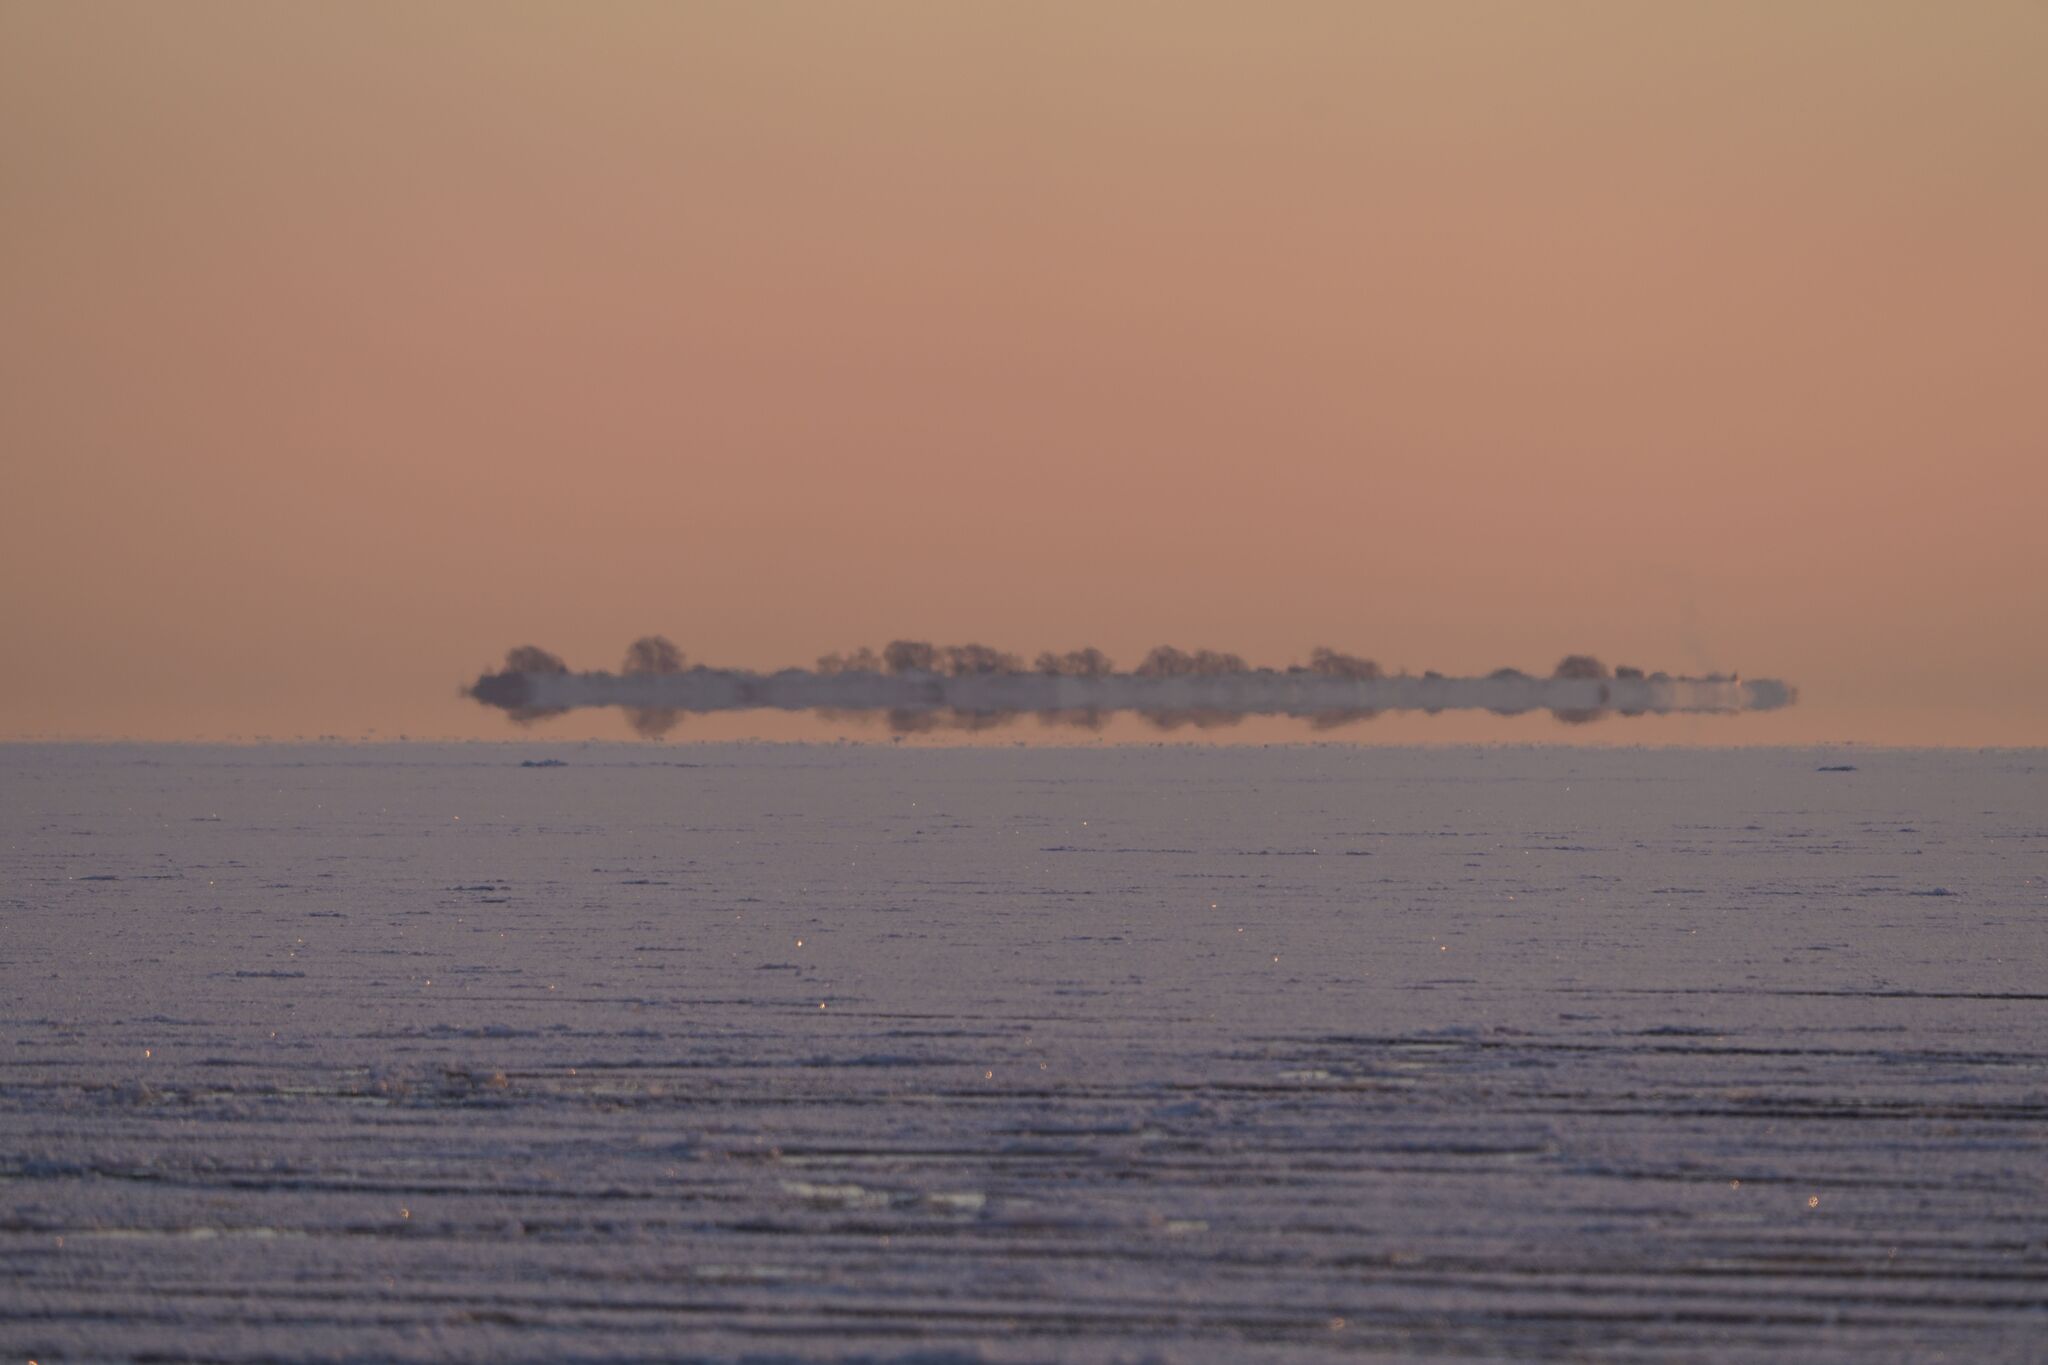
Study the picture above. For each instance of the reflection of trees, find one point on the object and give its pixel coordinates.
(908, 722)
(653, 722)
(1201, 717)
(1080, 717)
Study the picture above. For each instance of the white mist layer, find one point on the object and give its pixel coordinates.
(1251, 693)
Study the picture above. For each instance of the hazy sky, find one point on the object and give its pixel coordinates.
(344, 345)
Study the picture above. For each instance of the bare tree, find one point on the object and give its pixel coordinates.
(1079, 663)
(652, 654)
(962, 660)
(1332, 664)
(1210, 663)
(862, 660)
(533, 659)
(1165, 662)
(910, 656)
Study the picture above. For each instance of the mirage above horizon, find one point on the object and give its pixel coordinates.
(918, 687)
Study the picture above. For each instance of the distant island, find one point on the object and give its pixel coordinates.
(919, 686)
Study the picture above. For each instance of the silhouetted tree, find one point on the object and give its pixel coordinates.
(533, 659)
(862, 660)
(1079, 663)
(1165, 662)
(1210, 663)
(1168, 662)
(1332, 664)
(652, 654)
(962, 660)
(910, 656)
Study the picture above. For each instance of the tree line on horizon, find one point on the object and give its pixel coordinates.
(654, 655)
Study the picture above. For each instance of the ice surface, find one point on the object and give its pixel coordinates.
(760, 1052)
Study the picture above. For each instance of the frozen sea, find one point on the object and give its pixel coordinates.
(792, 1052)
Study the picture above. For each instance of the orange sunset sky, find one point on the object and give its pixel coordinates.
(344, 345)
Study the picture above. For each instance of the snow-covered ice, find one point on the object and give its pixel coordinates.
(845, 1052)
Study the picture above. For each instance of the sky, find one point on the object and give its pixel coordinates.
(343, 346)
